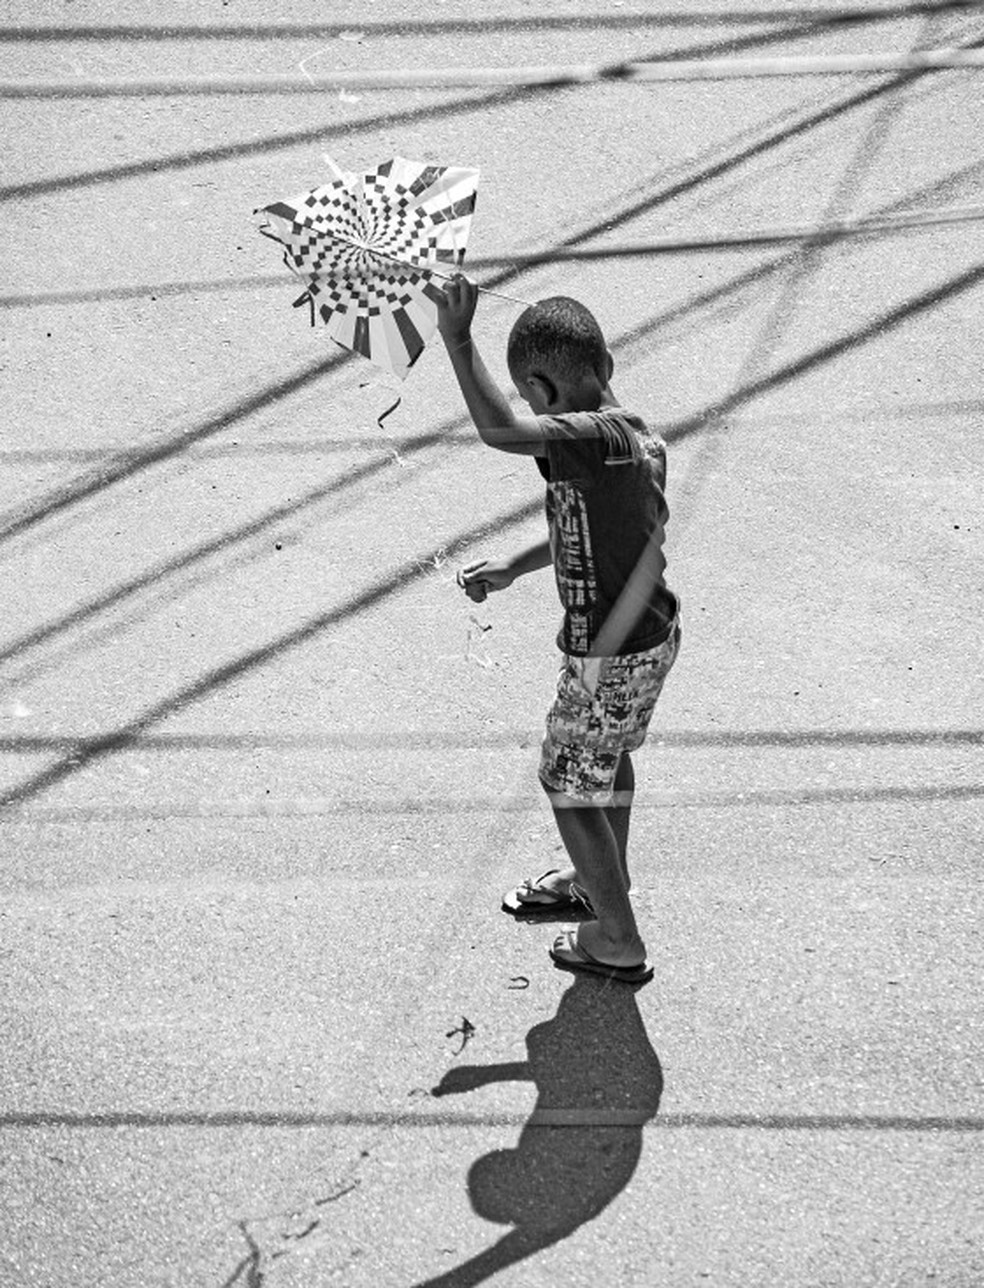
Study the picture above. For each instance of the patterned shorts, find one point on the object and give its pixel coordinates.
(603, 707)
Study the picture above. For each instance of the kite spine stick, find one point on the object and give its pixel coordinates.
(486, 290)
(422, 268)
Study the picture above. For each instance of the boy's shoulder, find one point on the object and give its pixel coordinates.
(595, 424)
(612, 435)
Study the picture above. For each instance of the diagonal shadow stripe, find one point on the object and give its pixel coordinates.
(165, 568)
(127, 464)
(515, 264)
(761, 146)
(448, 108)
(119, 594)
(464, 26)
(115, 740)
(733, 288)
(103, 746)
(869, 143)
(458, 106)
(881, 325)
(867, 228)
(92, 608)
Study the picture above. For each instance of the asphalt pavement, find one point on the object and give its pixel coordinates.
(265, 772)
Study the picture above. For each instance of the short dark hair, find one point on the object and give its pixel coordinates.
(559, 337)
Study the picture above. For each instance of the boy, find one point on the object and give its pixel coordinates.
(605, 473)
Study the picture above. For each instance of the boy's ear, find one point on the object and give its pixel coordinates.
(545, 389)
(611, 364)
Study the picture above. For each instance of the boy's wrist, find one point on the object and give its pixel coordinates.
(456, 339)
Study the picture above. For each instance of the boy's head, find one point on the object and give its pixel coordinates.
(557, 356)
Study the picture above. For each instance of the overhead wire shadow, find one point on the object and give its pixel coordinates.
(419, 443)
(223, 1119)
(803, 266)
(459, 105)
(726, 295)
(419, 807)
(409, 446)
(528, 262)
(205, 553)
(463, 26)
(118, 738)
(103, 745)
(764, 143)
(432, 739)
(885, 322)
(128, 463)
(413, 445)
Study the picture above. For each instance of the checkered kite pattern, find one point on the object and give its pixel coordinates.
(367, 246)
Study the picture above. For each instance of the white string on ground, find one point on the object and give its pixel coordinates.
(704, 69)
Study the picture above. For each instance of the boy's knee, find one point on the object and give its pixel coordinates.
(620, 798)
(560, 800)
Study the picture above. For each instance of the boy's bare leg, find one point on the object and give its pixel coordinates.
(593, 847)
(620, 813)
(618, 816)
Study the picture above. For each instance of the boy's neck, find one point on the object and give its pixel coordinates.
(588, 399)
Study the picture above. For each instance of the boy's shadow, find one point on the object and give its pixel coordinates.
(598, 1081)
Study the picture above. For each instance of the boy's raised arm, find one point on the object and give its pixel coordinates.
(497, 424)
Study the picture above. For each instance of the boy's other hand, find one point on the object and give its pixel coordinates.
(456, 308)
(478, 579)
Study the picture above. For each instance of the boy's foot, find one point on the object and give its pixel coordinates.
(548, 893)
(568, 954)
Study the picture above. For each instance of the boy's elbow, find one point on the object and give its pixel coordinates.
(498, 436)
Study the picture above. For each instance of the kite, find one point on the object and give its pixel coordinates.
(368, 247)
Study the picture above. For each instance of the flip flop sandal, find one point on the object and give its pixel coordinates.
(568, 954)
(547, 900)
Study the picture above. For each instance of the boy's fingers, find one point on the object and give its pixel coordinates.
(469, 572)
(473, 586)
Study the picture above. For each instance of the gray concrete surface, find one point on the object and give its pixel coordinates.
(266, 773)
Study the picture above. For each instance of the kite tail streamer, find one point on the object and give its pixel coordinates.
(307, 298)
(389, 411)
